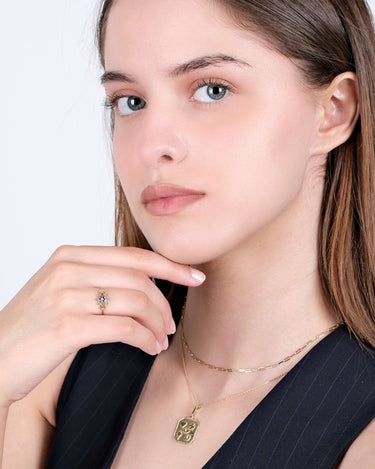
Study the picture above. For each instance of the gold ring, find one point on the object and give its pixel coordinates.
(102, 300)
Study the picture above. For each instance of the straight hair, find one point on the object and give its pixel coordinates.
(323, 38)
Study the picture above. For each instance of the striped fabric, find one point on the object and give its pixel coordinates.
(308, 420)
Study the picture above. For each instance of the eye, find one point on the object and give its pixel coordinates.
(129, 104)
(210, 91)
(126, 105)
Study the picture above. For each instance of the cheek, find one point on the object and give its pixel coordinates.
(124, 161)
(260, 148)
(251, 163)
(255, 161)
(121, 147)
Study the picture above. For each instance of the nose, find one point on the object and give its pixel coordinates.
(161, 140)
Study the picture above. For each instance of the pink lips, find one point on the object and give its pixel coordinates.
(168, 199)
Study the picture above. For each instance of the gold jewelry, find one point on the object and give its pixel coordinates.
(102, 300)
(187, 427)
(250, 370)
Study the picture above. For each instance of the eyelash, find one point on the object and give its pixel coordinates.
(212, 82)
(111, 102)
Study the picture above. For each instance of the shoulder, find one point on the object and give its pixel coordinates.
(361, 453)
(361, 356)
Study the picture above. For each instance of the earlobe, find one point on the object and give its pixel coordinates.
(339, 113)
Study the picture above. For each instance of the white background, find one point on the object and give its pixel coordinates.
(56, 172)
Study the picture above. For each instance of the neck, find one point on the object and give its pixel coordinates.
(263, 300)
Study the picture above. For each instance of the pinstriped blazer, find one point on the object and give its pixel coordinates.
(308, 420)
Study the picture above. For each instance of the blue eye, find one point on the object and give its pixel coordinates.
(210, 92)
(128, 104)
(125, 105)
(205, 91)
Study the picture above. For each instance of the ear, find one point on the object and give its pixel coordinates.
(338, 113)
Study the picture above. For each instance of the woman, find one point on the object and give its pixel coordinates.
(243, 144)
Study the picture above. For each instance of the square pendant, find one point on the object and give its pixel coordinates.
(186, 430)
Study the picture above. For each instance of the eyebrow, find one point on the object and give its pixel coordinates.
(181, 69)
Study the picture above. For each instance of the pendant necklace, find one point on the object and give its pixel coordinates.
(187, 427)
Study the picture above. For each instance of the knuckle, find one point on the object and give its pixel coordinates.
(135, 252)
(132, 255)
(62, 252)
(166, 307)
(128, 327)
(160, 327)
(143, 281)
(140, 301)
(61, 272)
(137, 276)
(149, 340)
(65, 299)
(142, 257)
(180, 269)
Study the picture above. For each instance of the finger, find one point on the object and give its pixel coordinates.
(83, 331)
(121, 302)
(152, 264)
(72, 277)
(138, 306)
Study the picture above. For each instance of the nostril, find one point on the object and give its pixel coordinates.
(154, 151)
(166, 158)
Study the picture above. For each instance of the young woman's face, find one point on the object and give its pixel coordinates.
(213, 129)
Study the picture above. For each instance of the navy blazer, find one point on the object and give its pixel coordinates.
(308, 420)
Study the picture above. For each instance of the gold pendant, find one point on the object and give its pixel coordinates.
(186, 430)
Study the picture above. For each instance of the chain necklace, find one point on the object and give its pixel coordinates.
(250, 370)
(187, 427)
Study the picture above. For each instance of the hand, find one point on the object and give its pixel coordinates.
(55, 314)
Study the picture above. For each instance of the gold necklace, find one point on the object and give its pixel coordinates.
(250, 370)
(187, 427)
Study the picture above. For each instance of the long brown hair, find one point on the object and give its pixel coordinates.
(324, 38)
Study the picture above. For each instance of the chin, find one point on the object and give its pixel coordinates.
(188, 252)
(181, 256)
(189, 244)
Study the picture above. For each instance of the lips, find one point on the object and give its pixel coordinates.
(168, 199)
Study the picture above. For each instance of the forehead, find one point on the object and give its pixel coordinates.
(169, 30)
(146, 38)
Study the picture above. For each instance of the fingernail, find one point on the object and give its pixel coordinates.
(197, 275)
(159, 348)
(172, 328)
(165, 344)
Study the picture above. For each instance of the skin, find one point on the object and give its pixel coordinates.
(256, 155)
(250, 173)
